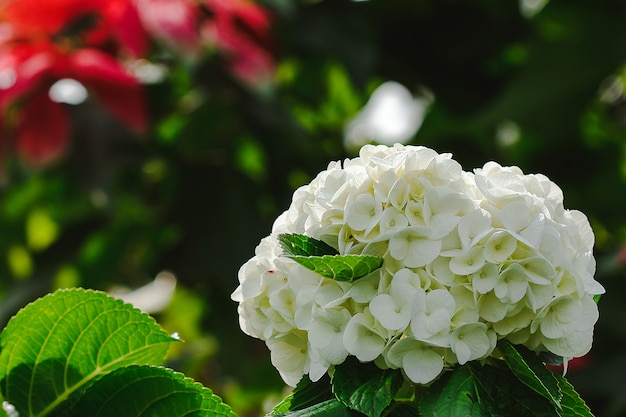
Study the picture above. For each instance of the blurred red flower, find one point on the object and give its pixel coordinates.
(174, 22)
(44, 42)
(242, 30)
(86, 41)
(111, 25)
(238, 29)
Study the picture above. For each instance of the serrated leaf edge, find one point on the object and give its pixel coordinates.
(547, 394)
(99, 370)
(302, 260)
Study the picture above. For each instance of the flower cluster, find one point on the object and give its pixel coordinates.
(95, 44)
(468, 259)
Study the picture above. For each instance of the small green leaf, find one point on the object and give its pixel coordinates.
(305, 394)
(300, 245)
(531, 371)
(573, 405)
(328, 408)
(341, 267)
(452, 395)
(135, 391)
(364, 387)
(62, 342)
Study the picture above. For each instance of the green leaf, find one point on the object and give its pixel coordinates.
(341, 267)
(573, 405)
(531, 371)
(551, 359)
(402, 409)
(323, 259)
(305, 394)
(142, 391)
(332, 408)
(300, 245)
(452, 395)
(65, 340)
(501, 394)
(365, 387)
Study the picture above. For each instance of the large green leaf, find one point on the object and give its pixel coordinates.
(531, 371)
(452, 395)
(501, 394)
(65, 340)
(365, 387)
(148, 391)
(328, 408)
(301, 245)
(573, 405)
(305, 394)
(341, 267)
(402, 409)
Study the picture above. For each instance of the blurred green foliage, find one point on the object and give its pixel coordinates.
(196, 194)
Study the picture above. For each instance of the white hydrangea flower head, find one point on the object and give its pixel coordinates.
(468, 258)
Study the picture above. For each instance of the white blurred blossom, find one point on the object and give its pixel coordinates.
(391, 115)
(469, 258)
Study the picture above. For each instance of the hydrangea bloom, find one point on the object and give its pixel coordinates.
(468, 259)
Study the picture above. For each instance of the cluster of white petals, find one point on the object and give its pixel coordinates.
(468, 259)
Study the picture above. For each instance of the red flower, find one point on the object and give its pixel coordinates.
(43, 43)
(41, 130)
(175, 22)
(94, 23)
(239, 29)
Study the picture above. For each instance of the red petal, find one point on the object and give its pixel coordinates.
(242, 30)
(23, 68)
(35, 18)
(42, 131)
(90, 64)
(239, 21)
(173, 21)
(130, 31)
(124, 101)
(113, 86)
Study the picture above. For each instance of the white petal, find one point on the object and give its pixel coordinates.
(491, 308)
(512, 284)
(468, 261)
(289, 356)
(485, 279)
(362, 340)
(538, 270)
(413, 246)
(363, 213)
(399, 193)
(500, 246)
(419, 361)
(473, 226)
(390, 313)
(560, 317)
(392, 219)
(573, 345)
(516, 215)
(471, 341)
